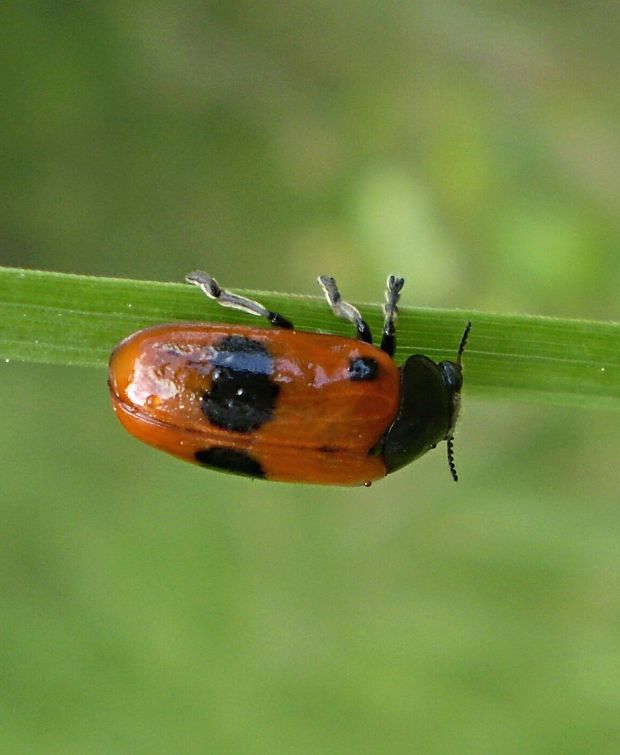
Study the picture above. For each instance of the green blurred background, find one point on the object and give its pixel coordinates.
(149, 606)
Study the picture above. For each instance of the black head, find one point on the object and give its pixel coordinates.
(430, 397)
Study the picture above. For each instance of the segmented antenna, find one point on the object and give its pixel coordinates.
(451, 464)
(450, 440)
(463, 343)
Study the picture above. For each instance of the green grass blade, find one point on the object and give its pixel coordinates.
(76, 320)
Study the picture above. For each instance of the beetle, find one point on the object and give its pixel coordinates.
(284, 404)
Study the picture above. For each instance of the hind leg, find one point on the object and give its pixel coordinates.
(213, 290)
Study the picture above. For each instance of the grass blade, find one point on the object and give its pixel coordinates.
(76, 320)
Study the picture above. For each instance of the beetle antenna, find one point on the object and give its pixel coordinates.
(451, 463)
(463, 343)
(450, 440)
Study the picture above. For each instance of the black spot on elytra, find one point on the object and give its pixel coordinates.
(242, 354)
(239, 401)
(363, 368)
(242, 396)
(229, 460)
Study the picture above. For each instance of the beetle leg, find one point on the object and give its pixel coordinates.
(390, 309)
(213, 290)
(343, 309)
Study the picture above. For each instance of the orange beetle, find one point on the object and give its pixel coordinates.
(282, 404)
